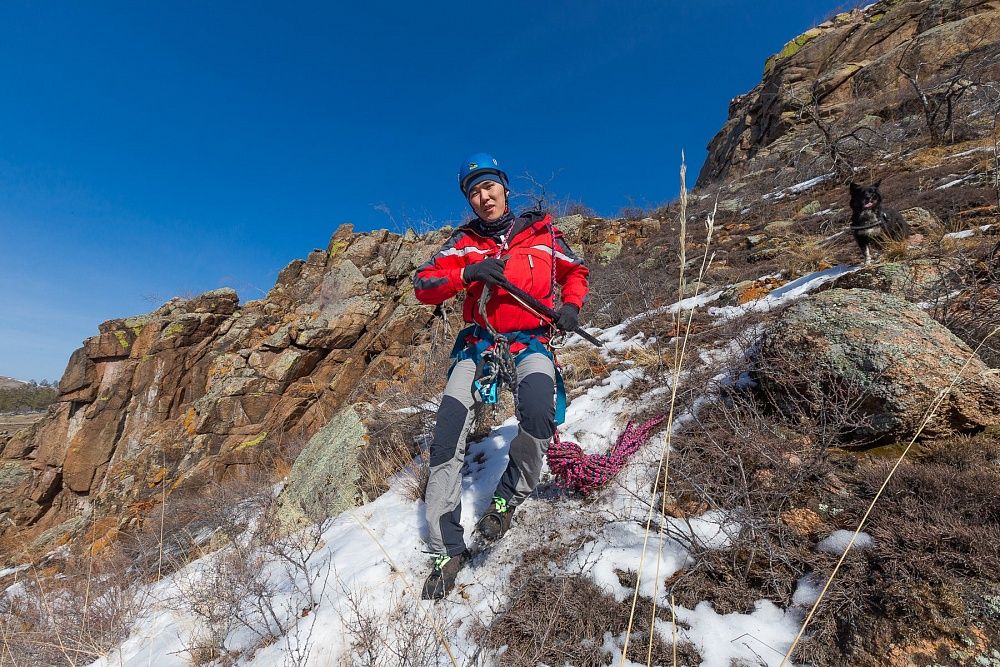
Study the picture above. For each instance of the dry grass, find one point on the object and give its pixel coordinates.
(581, 363)
(927, 577)
(807, 254)
(562, 619)
(74, 618)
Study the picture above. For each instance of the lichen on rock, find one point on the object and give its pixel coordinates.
(875, 364)
(323, 480)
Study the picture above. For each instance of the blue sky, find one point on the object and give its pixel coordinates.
(154, 149)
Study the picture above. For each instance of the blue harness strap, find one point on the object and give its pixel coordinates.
(529, 339)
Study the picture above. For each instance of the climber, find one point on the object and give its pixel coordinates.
(506, 340)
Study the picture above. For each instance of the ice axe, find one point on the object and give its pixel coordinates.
(540, 309)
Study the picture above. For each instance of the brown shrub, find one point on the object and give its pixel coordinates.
(926, 581)
(561, 619)
(75, 618)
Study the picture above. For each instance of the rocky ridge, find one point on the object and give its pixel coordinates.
(839, 94)
(205, 389)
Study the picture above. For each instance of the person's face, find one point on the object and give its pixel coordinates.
(489, 200)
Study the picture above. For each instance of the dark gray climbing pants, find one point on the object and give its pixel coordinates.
(536, 419)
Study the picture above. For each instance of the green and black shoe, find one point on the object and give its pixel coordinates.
(442, 577)
(496, 522)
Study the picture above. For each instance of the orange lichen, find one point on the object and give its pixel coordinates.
(802, 520)
(190, 418)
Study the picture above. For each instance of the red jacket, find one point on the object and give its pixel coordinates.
(534, 246)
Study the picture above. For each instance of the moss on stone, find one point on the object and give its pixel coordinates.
(324, 479)
(173, 330)
(58, 534)
(809, 209)
(12, 474)
(253, 442)
(135, 324)
(791, 48)
(338, 247)
(122, 338)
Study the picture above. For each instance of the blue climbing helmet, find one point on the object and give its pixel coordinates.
(477, 168)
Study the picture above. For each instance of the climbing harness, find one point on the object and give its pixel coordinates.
(496, 366)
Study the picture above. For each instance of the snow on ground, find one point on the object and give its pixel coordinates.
(839, 540)
(371, 562)
(982, 149)
(953, 183)
(784, 294)
(966, 233)
(798, 188)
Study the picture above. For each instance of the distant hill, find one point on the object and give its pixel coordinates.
(12, 383)
(20, 396)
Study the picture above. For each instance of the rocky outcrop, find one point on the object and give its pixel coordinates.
(923, 280)
(843, 81)
(200, 388)
(871, 366)
(203, 389)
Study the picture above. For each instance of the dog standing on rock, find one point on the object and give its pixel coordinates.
(870, 223)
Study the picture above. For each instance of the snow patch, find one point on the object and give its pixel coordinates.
(971, 151)
(760, 637)
(784, 294)
(951, 184)
(839, 541)
(966, 233)
(798, 188)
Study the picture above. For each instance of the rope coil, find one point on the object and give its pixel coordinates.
(578, 471)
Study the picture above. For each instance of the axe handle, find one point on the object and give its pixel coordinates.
(543, 310)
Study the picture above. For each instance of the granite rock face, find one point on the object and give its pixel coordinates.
(878, 363)
(203, 389)
(846, 74)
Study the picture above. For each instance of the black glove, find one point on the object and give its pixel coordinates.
(489, 271)
(568, 317)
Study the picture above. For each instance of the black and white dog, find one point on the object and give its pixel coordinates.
(870, 223)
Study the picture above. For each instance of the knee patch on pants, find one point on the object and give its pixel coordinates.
(536, 410)
(448, 431)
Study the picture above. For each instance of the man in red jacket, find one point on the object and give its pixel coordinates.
(530, 253)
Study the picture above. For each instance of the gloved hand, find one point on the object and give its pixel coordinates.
(489, 271)
(568, 317)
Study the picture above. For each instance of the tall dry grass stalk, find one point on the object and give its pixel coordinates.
(935, 404)
(680, 340)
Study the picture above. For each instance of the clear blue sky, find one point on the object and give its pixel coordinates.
(153, 149)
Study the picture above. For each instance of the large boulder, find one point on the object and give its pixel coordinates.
(324, 478)
(871, 365)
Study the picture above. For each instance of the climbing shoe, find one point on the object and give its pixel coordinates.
(442, 577)
(496, 521)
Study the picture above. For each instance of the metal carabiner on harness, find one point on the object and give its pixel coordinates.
(497, 364)
(486, 383)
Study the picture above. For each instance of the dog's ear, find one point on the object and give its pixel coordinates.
(877, 183)
(855, 187)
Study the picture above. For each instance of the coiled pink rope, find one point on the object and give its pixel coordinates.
(581, 472)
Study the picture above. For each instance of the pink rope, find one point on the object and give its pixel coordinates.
(581, 472)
